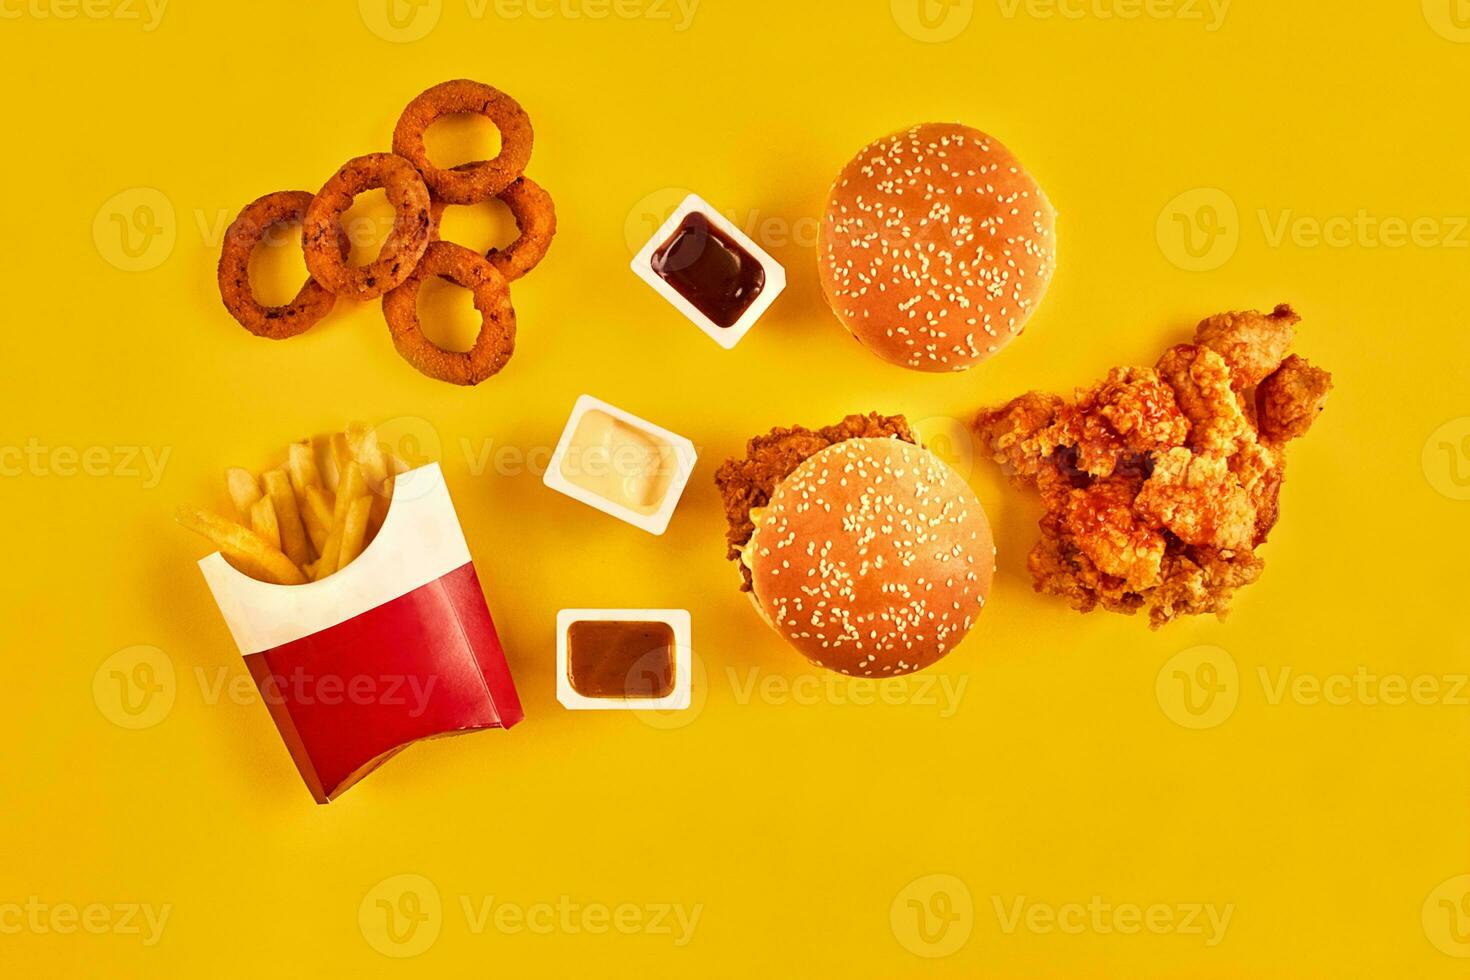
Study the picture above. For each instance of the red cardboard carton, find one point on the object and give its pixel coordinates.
(396, 647)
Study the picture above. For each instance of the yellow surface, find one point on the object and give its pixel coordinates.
(1049, 765)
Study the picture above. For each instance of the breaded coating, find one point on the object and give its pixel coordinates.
(748, 483)
(1290, 400)
(1199, 500)
(1202, 384)
(1252, 344)
(1102, 521)
(1109, 428)
(1158, 485)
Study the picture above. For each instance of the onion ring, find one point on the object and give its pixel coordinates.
(404, 245)
(535, 216)
(470, 182)
(497, 339)
(312, 302)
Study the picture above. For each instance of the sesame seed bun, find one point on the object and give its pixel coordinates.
(936, 247)
(873, 558)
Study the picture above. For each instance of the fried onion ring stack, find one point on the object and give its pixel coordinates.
(419, 192)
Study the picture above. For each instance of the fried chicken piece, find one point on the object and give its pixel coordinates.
(1010, 434)
(1199, 500)
(1102, 521)
(746, 484)
(1201, 582)
(1130, 414)
(1192, 581)
(1289, 401)
(1112, 426)
(1203, 388)
(1252, 344)
(1157, 484)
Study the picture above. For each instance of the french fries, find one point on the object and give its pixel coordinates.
(263, 522)
(244, 545)
(311, 516)
(244, 490)
(288, 515)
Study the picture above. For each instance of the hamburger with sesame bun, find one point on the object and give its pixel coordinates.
(936, 247)
(859, 546)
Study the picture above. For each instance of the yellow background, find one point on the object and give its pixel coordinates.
(800, 824)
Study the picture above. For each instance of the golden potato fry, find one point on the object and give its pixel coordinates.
(244, 490)
(337, 456)
(354, 531)
(288, 516)
(243, 545)
(366, 449)
(354, 485)
(331, 552)
(301, 461)
(317, 516)
(263, 522)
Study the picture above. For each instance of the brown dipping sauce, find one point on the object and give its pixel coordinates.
(708, 268)
(621, 660)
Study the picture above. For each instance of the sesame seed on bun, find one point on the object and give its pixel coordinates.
(873, 558)
(936, 247)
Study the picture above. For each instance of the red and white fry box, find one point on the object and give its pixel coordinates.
(396, 647)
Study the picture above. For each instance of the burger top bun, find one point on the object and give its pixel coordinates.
(873, 558)
(936, 247)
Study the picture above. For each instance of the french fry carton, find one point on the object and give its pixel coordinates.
(396, 647)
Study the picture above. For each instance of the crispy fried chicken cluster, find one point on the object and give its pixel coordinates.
(1160, 483)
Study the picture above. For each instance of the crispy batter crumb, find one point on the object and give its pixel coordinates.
(1160, 484)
